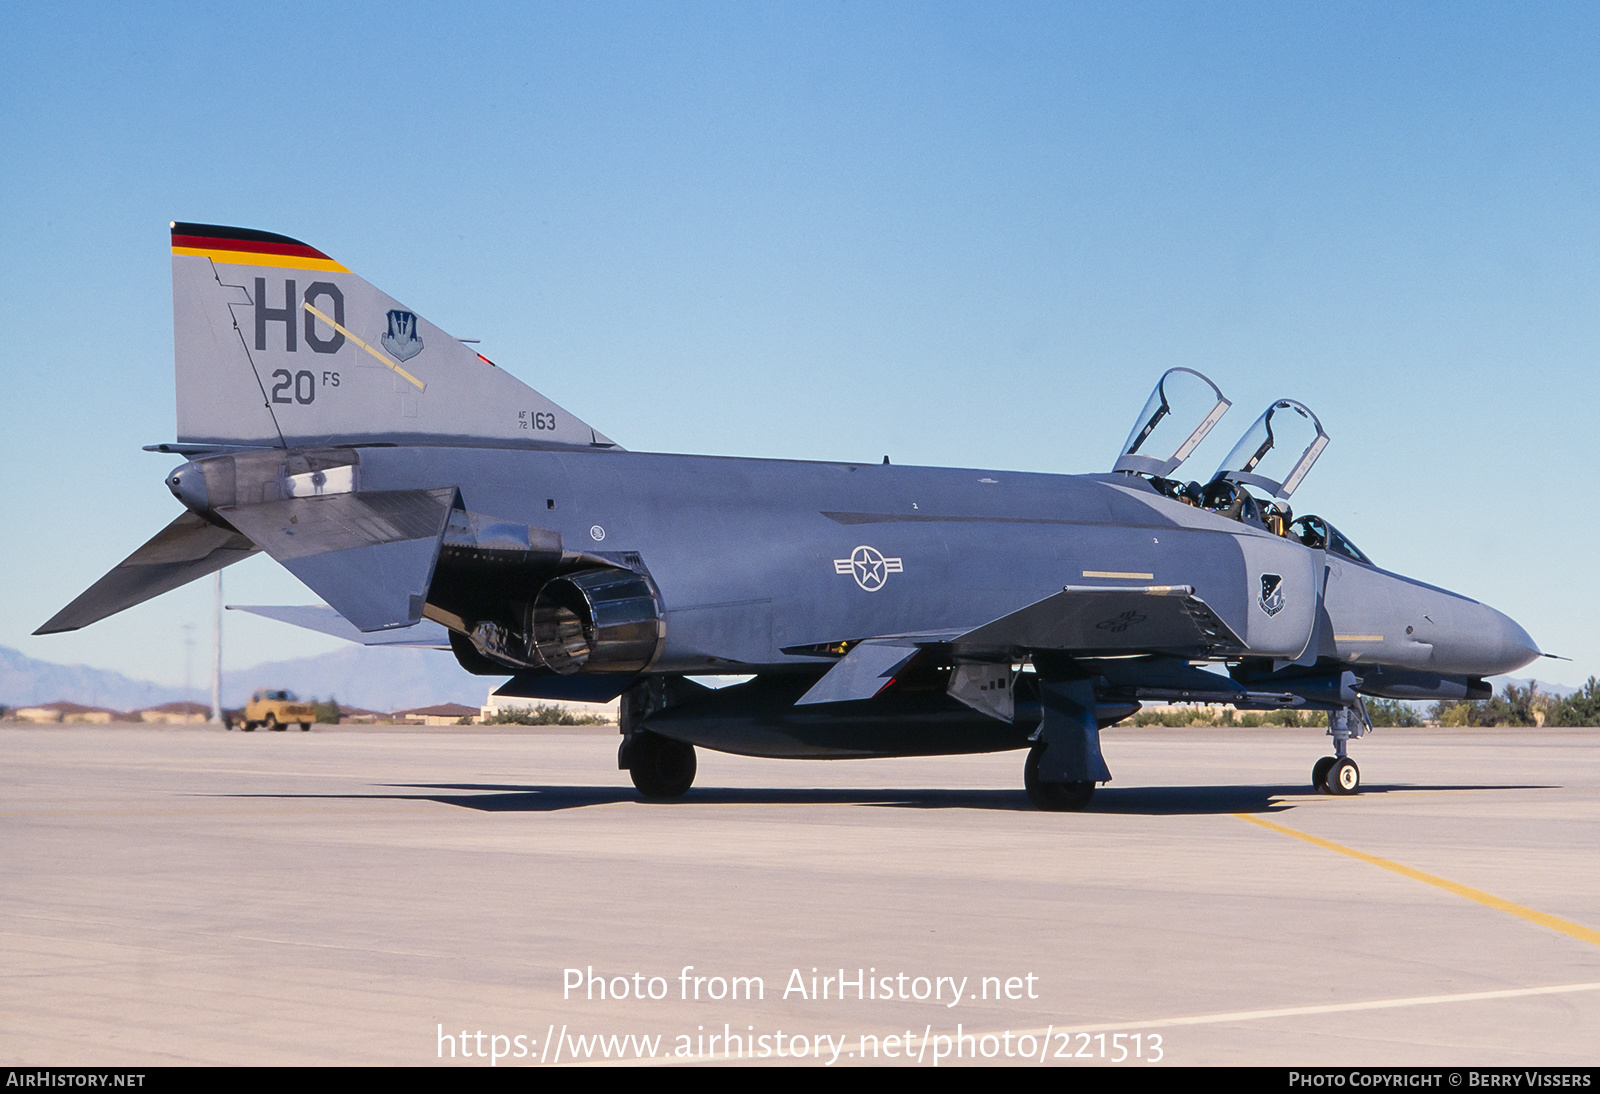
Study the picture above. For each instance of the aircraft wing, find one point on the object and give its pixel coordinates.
(1093, 619)
(190, 547)
(319, 617)
(1089, 620)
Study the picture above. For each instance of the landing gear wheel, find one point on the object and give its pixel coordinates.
(1344, 777)
(1319, 773)
(1053, 797)
(661, 767)
(272, 723)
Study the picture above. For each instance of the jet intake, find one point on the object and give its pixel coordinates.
(602, 620)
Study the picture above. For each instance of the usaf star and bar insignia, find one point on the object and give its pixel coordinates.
(869, 567)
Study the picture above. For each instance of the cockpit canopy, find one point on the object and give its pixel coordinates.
(1261, 459)
(1174, 400)
(1260, 456)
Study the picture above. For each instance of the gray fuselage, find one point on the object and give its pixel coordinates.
(753, 557)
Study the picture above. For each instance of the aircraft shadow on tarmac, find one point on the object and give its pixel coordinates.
(1132, 801)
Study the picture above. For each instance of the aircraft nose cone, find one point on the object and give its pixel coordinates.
(1508, 646)
(188, 485)
(1474, 639)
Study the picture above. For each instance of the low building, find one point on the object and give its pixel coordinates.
(355, 716)
(67, 713)
(444, 714)
(180, 713)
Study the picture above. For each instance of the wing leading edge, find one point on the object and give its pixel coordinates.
(1093, 619)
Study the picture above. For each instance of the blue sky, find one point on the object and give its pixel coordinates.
(967, 235)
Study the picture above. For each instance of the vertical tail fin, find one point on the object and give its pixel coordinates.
(279, 345)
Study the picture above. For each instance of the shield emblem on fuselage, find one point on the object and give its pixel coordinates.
(1271, 593)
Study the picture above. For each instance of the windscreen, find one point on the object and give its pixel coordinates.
(1319, 535)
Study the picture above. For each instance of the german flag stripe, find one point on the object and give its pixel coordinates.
(248, 247)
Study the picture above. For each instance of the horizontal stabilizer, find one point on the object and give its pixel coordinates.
(188, 548)
(319, 617)
(1090, 619)
(369, 555)
(867, 669)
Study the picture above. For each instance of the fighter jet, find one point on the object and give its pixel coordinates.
(430, 498)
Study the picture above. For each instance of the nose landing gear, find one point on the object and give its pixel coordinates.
(1319, 772)
(1338, 774)
(1344, 777)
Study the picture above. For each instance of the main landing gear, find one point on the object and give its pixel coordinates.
(1065, 762)
(659, 766)
(1338, 774)
(1063, 797)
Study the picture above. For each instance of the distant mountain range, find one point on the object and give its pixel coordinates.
(1560, 691)
(376, 678)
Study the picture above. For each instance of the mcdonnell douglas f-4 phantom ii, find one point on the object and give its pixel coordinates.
(430, 498)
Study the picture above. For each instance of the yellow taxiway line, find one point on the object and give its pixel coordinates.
(1488, 900)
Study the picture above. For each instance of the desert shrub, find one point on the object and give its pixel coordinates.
(543, 714)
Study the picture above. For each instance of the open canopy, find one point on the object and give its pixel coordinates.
(1181, 395)
(1259, 457)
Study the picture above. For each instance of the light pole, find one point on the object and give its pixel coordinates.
(216, 659)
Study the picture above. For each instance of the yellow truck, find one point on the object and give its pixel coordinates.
(276, 710)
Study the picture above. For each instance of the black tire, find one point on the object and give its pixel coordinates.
(272, 724)
(1053, 797)
(1319, 773)
(305, 727)
(1344, 777)
(248, 727)
(659, 766)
